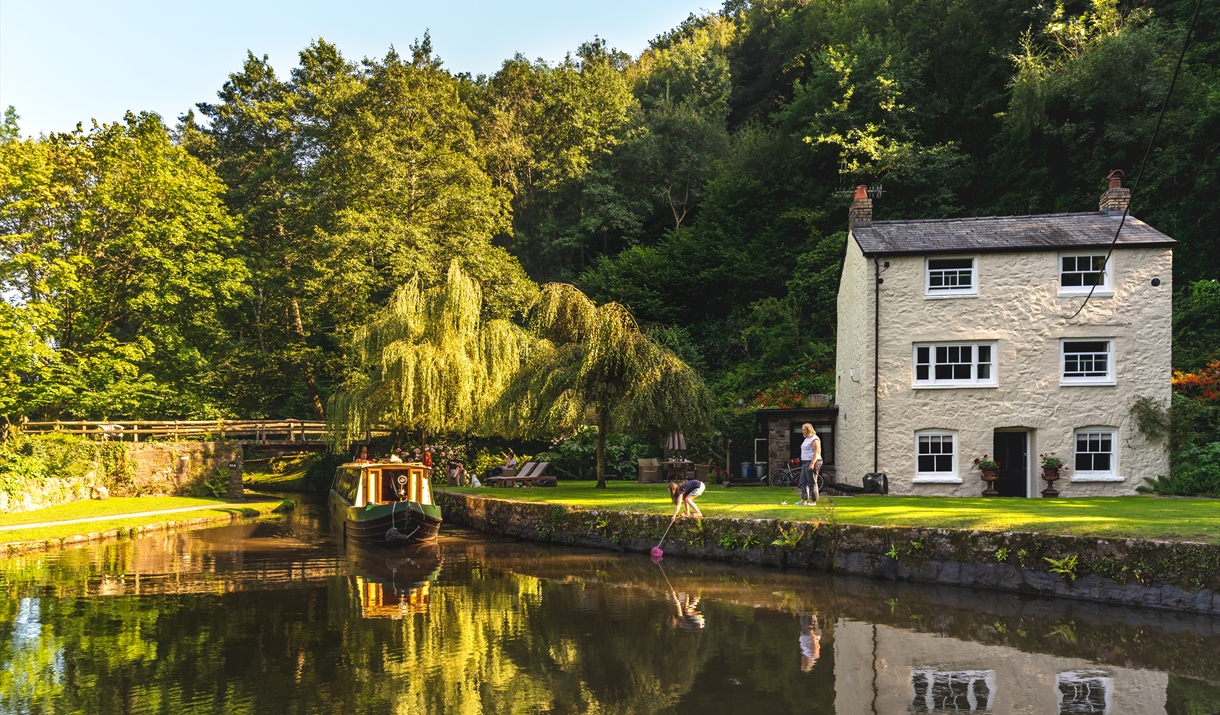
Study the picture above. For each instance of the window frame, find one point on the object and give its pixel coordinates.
(935, 294)
(952, 477)
(1105, 289)
(1111, 368)
(1093, 475)
(933, 384)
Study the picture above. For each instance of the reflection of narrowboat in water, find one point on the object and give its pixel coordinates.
(394, 584)
(384, 503)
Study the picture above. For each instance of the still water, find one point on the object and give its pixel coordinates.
(275, 617)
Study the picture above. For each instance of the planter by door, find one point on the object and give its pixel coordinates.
(1012, 452)
(990, 476)
(1050, 475)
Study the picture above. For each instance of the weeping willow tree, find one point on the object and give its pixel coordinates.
(428, 362)
(592, 363)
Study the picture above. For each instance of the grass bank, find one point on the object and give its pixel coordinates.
(310, 472)
(117, 516)
(1137, 517)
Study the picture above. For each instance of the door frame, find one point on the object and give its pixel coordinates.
(1030, 482)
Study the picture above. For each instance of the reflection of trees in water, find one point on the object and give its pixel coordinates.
(511, 643)
(508, 627)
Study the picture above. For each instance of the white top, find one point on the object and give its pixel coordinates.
(807, 450)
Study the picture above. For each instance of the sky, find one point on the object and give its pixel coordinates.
(63, 62)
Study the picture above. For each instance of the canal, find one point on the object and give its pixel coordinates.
(276, 617)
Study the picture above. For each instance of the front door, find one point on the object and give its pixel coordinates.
(1012, 452)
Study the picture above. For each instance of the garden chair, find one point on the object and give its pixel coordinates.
(650, 470)
(701, 471)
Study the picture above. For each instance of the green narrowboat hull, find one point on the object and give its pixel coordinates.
(393, 524)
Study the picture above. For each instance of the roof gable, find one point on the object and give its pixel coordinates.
(988, 234)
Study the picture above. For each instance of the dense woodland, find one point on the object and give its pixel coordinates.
(221, 264)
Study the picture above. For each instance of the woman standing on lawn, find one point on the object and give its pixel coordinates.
(811, 464)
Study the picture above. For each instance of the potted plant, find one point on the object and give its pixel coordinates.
(1050, 472)
(991, 472)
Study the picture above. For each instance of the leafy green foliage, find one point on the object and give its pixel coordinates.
(593, 363)
(118, 250)
(428, 362)
(576, 457)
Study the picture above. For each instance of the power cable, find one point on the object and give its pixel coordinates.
(1152, 140)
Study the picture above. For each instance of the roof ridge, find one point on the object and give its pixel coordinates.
(963, 219)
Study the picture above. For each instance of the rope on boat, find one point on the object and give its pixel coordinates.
(393, 534)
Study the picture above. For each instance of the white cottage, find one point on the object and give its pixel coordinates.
(964, 337)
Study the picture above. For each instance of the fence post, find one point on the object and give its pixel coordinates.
(220, 423)
(292, 435)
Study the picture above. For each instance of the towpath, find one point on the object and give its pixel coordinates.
(111, 517)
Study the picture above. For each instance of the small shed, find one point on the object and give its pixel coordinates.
(778, 436)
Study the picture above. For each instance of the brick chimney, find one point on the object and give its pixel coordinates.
(1116, 199)
(861, 213)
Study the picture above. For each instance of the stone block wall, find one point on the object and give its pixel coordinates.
(169, 468)
(1155, 574)
(136, 469)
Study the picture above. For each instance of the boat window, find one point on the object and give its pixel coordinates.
(347, 484)
(372, 489)
(425, 489)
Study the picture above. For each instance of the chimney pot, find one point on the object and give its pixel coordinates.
(861, 213)
(1116, 199)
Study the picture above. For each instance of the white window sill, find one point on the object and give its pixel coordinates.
(935, 479)
(1099, 293)
(1088, 383)
(939, 296)
(964, 385)
(1097, 478)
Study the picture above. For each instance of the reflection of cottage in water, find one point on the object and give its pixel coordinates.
(879, 669)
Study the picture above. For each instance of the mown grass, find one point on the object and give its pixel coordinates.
(1103, 517)
(117, 507)
(277, 473)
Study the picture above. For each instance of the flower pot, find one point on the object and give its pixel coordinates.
(1050, 475)
(989, 476)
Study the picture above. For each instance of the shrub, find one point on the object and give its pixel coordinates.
(576, 458)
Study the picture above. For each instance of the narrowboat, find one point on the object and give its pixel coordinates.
(384, 503)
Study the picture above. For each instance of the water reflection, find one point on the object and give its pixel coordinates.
(276, 617)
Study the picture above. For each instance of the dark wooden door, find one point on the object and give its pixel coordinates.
(1012, 452)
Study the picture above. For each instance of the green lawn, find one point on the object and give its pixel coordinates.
(276, 473)
(117, 508)
(1117, 517)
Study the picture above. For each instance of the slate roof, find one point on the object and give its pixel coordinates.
(990, 234)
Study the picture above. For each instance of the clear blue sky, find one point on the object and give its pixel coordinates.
(64, 61)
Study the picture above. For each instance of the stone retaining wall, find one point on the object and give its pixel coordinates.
(1171, 575)
(169, 468)
(135, 469)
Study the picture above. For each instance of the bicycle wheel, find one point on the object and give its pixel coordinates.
(784, 478)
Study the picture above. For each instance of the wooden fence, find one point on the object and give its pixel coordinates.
(259, 431)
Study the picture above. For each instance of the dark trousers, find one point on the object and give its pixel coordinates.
(809, 479)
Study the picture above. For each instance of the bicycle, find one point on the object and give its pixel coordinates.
(790, 476)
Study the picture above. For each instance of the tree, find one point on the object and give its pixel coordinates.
(429, 361)
(117, 249)
(594, 363)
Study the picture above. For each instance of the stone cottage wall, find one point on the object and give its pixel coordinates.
(1019, 308)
